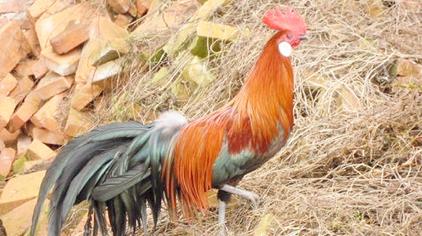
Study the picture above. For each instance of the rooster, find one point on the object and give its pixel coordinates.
(121, 168)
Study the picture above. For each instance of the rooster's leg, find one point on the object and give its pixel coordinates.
(253, 197)
(223, 198)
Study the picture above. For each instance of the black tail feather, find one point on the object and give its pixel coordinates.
(117, 168)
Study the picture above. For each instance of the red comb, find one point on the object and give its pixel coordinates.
(284, 19)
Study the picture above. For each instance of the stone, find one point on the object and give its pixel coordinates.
(19, 190)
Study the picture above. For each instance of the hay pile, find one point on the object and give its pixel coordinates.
(343, 171)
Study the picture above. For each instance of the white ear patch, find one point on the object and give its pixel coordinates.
(285, 48)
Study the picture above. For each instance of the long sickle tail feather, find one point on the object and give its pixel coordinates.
(116, 167)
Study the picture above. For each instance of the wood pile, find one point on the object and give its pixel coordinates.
(55, 58)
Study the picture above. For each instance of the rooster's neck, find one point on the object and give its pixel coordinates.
(266, 99)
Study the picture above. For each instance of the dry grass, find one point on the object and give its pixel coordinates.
(341, 173)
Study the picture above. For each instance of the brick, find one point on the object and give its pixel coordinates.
(108, 41)
(13, 46)
(32, 40)
(107, 70)
(28, 108)
(157, 22)
(39, 7)
(24, 68)
(23, 144)
(12, 6)
(19, 190)
(50, 26)
(23, 87)
(39, 151)
(61, 64)
(18, 221)
(73, 35)
(49, 137)
(119, 6)
(49, 116)
(8, 137)
(133, 11)
(123, 20)
(7, 156)
(7, 84)
(77, 123)
(84, 94)
(39, 69)
(52, 84)
(7, 106)
(142, 7)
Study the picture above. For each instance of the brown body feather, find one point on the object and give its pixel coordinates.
(252, 120)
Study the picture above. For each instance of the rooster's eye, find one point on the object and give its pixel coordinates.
(289, 36)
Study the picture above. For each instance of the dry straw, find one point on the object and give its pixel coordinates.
(342, 172)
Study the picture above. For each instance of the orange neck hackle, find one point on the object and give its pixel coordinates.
(252, 120)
